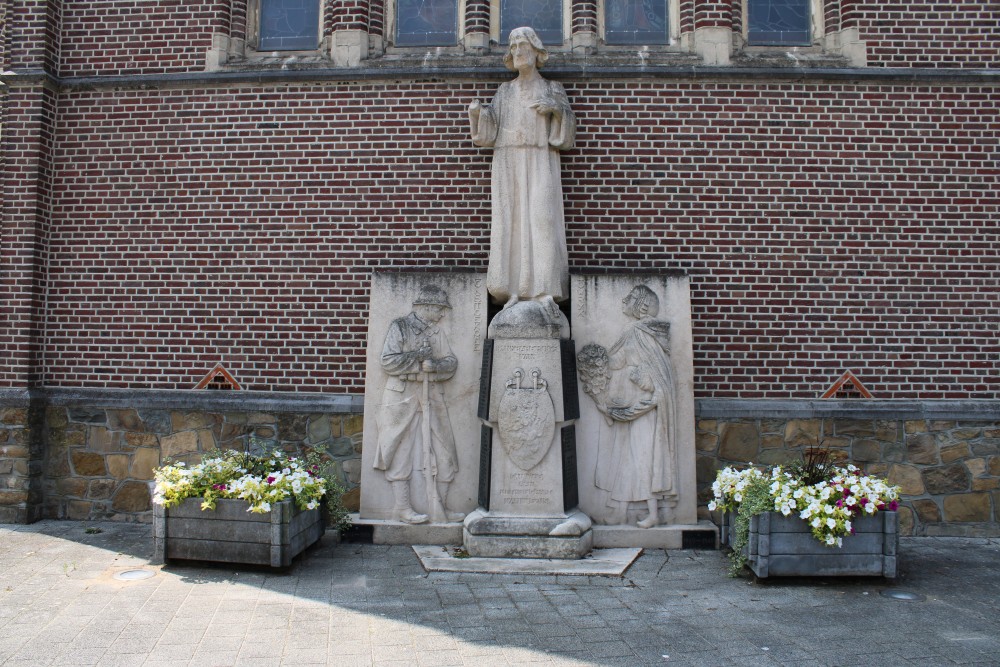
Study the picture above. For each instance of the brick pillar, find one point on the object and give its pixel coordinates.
(28, 109)
(349, 41)
(222, 34)
(848, 14)
(831, 16)
(584, 26)
(736, 14)
(848, 40)
(687, 16)
(477, 25)
(713, 30)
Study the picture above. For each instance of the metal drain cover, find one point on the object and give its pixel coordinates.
(896, 594)
(134, 575)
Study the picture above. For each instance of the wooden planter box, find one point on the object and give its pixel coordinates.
(783, 546)
(230, 534)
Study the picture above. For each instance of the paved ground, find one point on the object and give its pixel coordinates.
(356, 604)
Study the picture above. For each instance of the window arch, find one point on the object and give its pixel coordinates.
(426, 22)
(782, 22)
(286, 25)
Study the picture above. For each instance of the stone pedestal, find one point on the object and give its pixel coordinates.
(528, 403)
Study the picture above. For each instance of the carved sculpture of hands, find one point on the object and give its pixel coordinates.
(475, 106)
(632, 412)
(546, 106)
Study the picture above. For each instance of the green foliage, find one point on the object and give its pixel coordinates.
(816, 466)
(756, 500)
(337, 515)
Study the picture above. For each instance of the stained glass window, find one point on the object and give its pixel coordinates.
(289, 25)
(635, 22)
(779, 23)
(545, 16)
(426, 22)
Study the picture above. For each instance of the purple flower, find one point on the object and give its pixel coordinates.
(893, 506)
(270, 479)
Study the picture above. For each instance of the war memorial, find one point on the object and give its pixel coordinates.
(529, 287)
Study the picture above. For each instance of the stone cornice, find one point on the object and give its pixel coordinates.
(568, 71)
(705, 408)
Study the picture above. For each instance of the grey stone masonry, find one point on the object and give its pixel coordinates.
(948, 470)
(89, 454)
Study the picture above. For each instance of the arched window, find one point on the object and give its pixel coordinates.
(426, 22)
(636, 22)
(779, 22)
(545, 16)
(288, 25)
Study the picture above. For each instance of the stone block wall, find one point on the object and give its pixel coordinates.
(19, 470)
(90, 454)
(948, 470)
(99, 461)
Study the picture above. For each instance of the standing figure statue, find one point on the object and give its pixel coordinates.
(527, 124)
(633, 386)
(413, 422)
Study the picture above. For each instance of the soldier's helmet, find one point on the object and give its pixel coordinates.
(432, 295)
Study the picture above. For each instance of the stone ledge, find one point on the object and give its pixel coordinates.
(208, 400)
(951, 409)
(569, 71)
(600, 562)
(705, 408)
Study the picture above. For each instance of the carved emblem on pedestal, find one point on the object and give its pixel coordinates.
(526, 420)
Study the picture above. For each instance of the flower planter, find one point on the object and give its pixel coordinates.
(230, 534)
(783, 546)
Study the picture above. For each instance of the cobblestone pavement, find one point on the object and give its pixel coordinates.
(354, 604)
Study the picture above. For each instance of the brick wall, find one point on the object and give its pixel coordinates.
(825, 226)
(153, 36)
(138, 36)
(929, 34)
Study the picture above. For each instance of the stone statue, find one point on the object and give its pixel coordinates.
(527, 124)
(633, 387)
(413, 421)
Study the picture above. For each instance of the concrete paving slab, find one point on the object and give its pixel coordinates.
(600, 562)
(364, 604)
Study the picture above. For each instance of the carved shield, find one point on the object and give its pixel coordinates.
(526, 421)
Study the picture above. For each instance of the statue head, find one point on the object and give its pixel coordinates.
(641, 302)
(431, 303)
(528, 35)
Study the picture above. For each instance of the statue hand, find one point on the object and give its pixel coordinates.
(475, 105)
(545, 106)
(427, 365)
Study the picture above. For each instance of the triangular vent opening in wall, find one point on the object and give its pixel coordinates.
(848, 386)
(219, 378)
